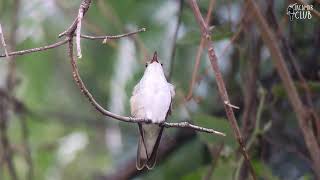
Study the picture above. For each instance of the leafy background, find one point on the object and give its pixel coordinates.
(68, 139)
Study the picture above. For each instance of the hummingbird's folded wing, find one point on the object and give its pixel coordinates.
(172, 91)
(136, 105)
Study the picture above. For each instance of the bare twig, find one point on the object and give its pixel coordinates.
(62, 42)
(110, 14)
(221, 86)
(174, 41)
(233, 39)
(3, 42)
(294, 99)
(108, 37)
(256, 131)
(199, 53)
(6, 147)
(27, 51)
(191, 126)
(228, 109)
(80, 16)
(231, 105)
(84, 6)
(27, 155)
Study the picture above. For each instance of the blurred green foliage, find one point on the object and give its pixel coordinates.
(58, 110)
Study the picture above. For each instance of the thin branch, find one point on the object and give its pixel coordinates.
(229, 109)
(231, 105)
(62, 42)
(174, 41)
(6, 147)
(256, 131)
(27, 51)
(80, 16)
(294, 99)
(233, 39)
(3, 42)
(108, 37)
(27, 149)
(84, 90)
(199, 53)
(191, 126)
(221, 86)
(85, 4)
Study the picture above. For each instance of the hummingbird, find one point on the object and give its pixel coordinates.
(151, 99)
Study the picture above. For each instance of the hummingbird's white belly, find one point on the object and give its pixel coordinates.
(156, 102)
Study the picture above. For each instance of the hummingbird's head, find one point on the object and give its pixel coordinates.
(154, 60)
(154, 68)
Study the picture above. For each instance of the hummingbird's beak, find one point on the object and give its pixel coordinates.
(155, 57)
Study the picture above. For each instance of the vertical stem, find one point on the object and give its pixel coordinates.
(5, 143)
(174, 41)
(221, 86)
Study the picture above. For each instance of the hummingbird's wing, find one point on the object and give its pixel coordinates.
(136, 105)
(172, 93)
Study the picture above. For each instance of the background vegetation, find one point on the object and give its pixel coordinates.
(54, 133)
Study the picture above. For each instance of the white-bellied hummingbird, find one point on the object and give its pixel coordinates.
(151, 99)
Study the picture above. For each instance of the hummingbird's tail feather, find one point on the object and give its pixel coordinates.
(150, 136)
(142, 155)
(153, 157)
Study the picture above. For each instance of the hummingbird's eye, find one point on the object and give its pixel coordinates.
(161, 64)
(146, 64)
